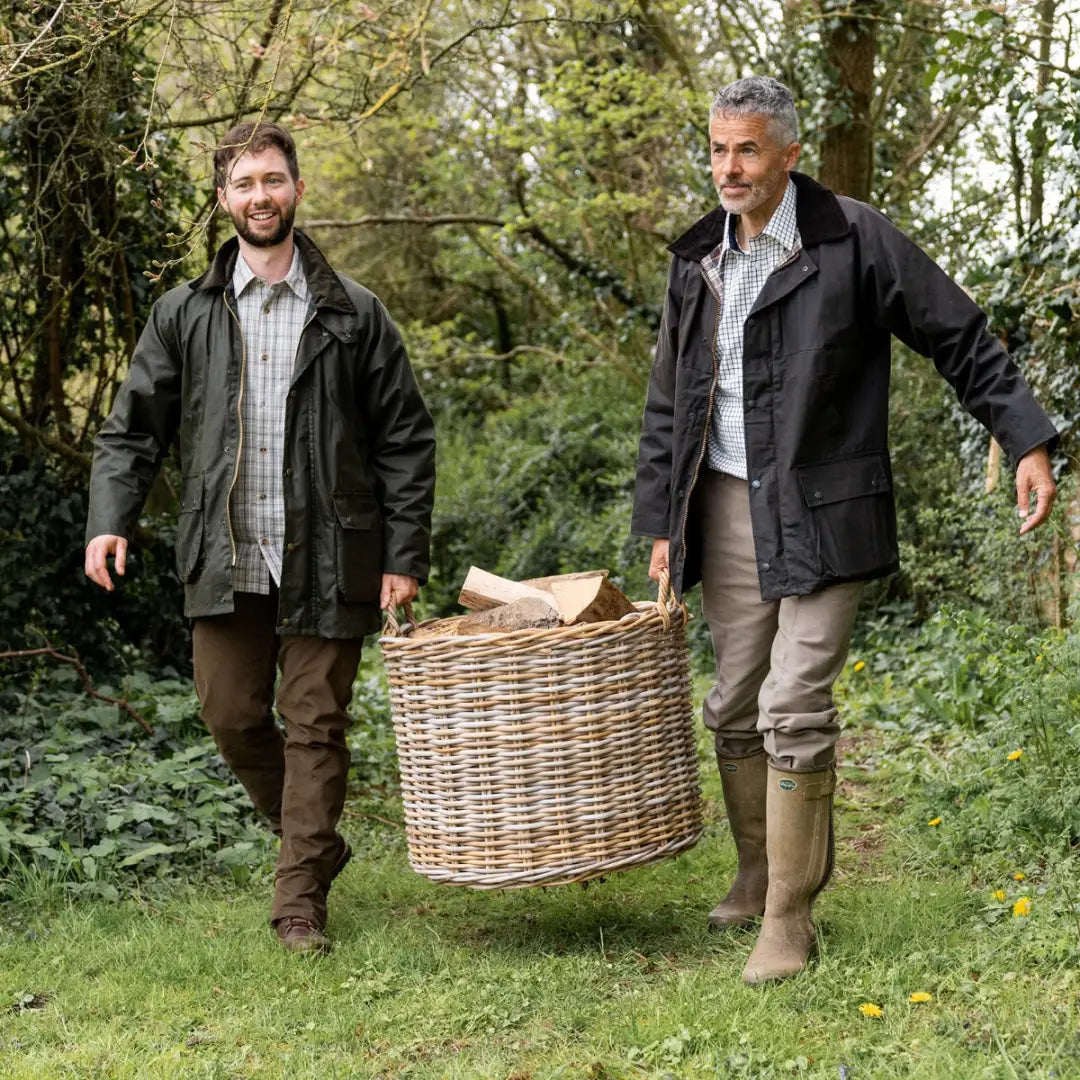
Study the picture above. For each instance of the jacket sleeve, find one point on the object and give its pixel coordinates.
(919, 303)
(403, 450)
(652, 486)
(137, 433)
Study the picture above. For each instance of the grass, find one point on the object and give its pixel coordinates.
(615, 980)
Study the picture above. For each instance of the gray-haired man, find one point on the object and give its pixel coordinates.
(763, 472)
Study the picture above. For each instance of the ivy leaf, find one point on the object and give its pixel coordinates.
(147, 853)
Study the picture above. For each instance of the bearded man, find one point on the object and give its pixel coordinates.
(763, 472)
(307, 460)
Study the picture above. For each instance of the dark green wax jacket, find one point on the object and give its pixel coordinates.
(359, 472)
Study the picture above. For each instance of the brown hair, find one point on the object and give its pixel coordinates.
(249, 138)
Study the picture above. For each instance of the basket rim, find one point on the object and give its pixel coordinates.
(648, 612)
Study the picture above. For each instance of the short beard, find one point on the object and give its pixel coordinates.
(265, 240)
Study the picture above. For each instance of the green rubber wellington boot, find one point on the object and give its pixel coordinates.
(798, 815)
(744, 782)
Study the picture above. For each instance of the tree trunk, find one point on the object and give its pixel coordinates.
(1038, 128)
(847, 152)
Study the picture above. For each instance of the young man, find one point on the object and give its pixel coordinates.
(308, 478)
(763, 472)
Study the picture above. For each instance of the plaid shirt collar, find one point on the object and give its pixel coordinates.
(781, 226)
(243, 275)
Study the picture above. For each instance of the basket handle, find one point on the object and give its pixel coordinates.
(665, 599)
(392, 628)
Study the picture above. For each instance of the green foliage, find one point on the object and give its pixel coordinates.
(90, 801)
(540, 487)
(46, 595)
(955, 698)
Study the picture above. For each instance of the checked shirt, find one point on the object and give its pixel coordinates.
(272, 318)
(736, 277)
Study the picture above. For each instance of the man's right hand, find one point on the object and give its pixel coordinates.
(97, 551)
(659, 559)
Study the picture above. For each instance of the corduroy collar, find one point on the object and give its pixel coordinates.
(818, 213)
(326, 289)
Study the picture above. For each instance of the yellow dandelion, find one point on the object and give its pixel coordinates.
(1022, 906)
(859, 665)
(998, 895)
(1017, 754)
(868, 1008)
(1019, 876)
(934, 821)
(1038, 659)
(920, 997)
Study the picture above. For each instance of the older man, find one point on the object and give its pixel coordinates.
(308, 478)
(763, 472)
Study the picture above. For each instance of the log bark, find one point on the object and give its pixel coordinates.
(528, 613)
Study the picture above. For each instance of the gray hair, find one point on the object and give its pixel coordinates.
(762, 96)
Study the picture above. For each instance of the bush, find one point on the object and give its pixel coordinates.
(984, 720)
(47, 595)
(89, 799)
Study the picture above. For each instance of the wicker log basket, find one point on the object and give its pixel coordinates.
(544, 757)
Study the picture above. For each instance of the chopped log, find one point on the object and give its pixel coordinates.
(589, 599)
(545, 582)
(483, 590)
(529, 612)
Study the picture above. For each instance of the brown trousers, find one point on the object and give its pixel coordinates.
(296, 781)
(776, 661)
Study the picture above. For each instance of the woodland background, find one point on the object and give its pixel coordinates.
(506, 176)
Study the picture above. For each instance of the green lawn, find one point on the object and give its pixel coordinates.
(615, 980)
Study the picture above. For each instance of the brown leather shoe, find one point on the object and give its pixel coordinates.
(301, 935)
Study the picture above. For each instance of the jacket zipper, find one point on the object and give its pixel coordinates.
(239, 431)
(712, 391)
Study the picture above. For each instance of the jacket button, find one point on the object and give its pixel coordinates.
(287, 473)
(285, 621)
(805, 268)
(749, 402)
(290, 548)
(764, 566)
(755, 483)
(817, 495)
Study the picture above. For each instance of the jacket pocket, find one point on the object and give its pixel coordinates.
(358, 546)
(852, 515)
(189, 528)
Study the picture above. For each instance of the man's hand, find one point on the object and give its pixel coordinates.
(1033, 475)
(97, 551)
(659, 559)
(397, 589)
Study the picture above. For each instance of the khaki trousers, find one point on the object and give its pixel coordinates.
(296, 781)
(777, 660)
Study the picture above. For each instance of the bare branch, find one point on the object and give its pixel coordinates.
(44, 30)
(84, 676)
(403, 219)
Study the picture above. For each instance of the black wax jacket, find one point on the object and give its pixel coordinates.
(359, 467)
(816, 359)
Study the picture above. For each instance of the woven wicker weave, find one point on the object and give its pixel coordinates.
(543, 757)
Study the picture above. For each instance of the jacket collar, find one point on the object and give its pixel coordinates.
(818, 214)
(326, 289)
